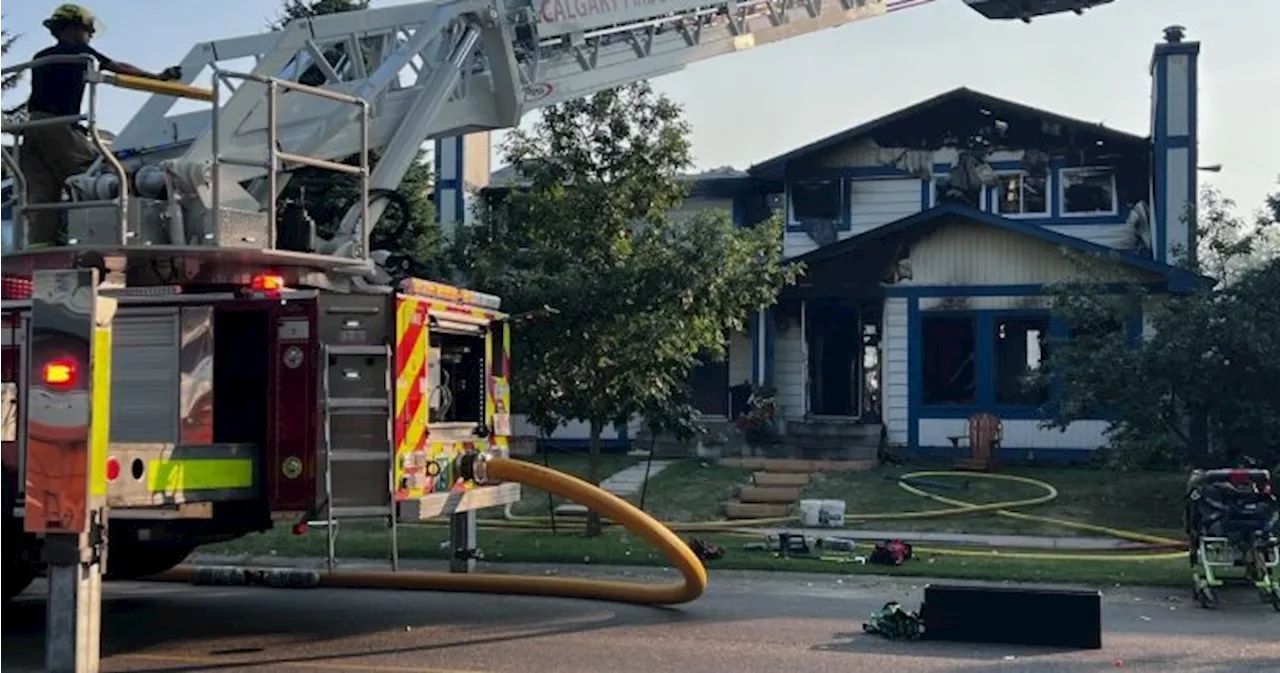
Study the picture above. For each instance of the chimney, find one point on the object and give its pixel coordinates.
(1174, 150)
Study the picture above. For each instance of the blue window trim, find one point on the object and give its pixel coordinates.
(984, 322)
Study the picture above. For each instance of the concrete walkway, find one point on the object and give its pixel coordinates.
(624, 483)
(1000, 541)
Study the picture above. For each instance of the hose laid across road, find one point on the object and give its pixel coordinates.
(694, 582)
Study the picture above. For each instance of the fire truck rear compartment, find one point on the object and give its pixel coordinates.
(221, 407)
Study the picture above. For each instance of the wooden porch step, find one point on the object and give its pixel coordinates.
(743, 463)
(755, 510)
(780, 479)
(769, 494)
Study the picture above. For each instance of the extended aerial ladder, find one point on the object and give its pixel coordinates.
(388, 79)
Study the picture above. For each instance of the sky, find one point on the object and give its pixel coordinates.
(747, 107)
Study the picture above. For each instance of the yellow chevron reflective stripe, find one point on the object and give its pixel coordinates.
(199, 474)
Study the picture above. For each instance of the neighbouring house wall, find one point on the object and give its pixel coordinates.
(895, 351)
(692, 205)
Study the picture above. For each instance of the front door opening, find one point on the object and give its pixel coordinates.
(835, 359)
(709, 382)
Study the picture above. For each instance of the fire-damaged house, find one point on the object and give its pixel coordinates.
(929, 237)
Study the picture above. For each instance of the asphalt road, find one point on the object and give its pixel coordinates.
(747, 623)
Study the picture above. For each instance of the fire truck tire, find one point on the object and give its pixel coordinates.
(18, 572)
(134, 560)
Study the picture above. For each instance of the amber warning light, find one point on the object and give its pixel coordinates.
(60, 372)
(267, 282)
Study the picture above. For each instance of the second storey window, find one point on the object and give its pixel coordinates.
(815, 200)
(1088, 191)
(1022, 194)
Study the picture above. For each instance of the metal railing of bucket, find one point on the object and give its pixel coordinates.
(16, 128)
(276, 157)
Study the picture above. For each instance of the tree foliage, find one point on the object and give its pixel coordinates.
(9, 82)
(326, 195)
(640, 296)
(1200, 388)
(7, 40)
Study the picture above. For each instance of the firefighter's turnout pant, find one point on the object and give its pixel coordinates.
(50, 155)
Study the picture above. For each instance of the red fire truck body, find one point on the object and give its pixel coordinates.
(236, 408)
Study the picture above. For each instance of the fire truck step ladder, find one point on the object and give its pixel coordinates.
(357, 442)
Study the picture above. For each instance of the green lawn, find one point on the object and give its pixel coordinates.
(689, 490)
(620, 548)
(694, 490)
(534, 501)
(1146, 502)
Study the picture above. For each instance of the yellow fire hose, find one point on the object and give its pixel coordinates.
(609, 505)
(1146, 552)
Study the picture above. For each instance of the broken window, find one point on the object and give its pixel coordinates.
(815, 200)
(1088, 191)
(1022, 194)
(1021, 349)
(946, 191)
(949, 360)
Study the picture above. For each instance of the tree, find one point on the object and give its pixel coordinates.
(7, 40)
(407, 228)
(639, 296)
(10, 81)
(1200, 388)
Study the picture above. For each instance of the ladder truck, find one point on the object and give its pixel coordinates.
(203, 366)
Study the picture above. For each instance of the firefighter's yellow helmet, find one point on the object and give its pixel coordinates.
(71, 13)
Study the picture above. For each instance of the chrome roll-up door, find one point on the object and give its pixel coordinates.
(144, 375)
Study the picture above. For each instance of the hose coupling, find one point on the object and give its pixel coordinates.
(474, 466)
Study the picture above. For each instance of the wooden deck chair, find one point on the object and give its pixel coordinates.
(985, 432)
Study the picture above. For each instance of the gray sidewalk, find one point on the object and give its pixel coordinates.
(995, 541)
(623, 483)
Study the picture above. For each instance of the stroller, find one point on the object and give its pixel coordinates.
(1233, 520)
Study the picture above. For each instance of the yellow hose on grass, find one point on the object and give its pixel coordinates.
(693, 585)
(957, 507)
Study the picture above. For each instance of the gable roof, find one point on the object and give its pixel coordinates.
(962, 94)
(1177, 278)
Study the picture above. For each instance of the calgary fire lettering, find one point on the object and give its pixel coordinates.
(558, 11)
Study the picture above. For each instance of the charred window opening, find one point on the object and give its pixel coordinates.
(1023, 195)
(947, 191)
(456, 377)
(950, 356)
(1021, 349)
(1087, 191)
(815, 200)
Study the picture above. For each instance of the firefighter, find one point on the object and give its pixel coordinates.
(51, 154)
